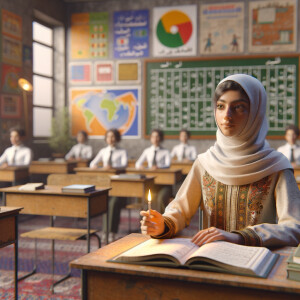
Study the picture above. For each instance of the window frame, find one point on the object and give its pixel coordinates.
(52, 78)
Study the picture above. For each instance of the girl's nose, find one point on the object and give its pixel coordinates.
(228, 114)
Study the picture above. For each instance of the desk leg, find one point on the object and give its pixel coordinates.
(84, 294)
(16, 259)
(88, 227)
(107, 219)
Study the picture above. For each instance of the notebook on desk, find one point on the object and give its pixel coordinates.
(78, 188)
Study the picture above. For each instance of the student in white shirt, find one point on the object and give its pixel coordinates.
(183, 151)
(80, 151)
(17, 154)
(291, 149)
(157, 158)
(112, 157)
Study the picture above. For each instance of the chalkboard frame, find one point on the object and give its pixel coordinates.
(220, 62)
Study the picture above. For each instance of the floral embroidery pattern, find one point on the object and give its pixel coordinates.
(242, 207)
(220, 207)
(209, 191)
(258, 191)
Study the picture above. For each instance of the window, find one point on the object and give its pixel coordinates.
(43, 79)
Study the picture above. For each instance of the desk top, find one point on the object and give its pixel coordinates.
(99, 170)
(52, 190)
(97, 261)
(6, 211)
(14, 169)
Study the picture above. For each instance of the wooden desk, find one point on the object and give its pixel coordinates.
(297, 171)
(9, 234)
(106, 280)
(99, 171)
(162, 176)
(48, 167)
(129, 187)
(51, 201)
(14, 174)
(184, 166)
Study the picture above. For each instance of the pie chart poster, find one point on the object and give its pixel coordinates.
(175, 30)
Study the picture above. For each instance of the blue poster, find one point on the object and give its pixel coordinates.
(131, 34)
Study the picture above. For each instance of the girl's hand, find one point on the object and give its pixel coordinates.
(214, 234)
(153, 224)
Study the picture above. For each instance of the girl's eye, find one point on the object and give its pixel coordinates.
(220, 106)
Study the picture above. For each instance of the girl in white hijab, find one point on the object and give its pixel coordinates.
(246, 189)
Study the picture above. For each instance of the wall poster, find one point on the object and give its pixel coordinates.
(131, 34)
(89, 35)
(221, 28)
(174, 30)
(98, 109)
(272, 26)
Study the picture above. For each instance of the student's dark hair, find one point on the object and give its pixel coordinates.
(84, 133)
(294, 128)
(226, 86)
(160, 134)
(20, 131)
(186, 131)
(115, 132)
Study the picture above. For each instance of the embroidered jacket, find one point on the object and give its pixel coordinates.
(266, 212)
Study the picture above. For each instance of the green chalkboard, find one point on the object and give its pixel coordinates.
(178, 93)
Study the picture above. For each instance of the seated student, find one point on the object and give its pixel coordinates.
(112, 157)
(183, 151)
(247, 189)
(80, 151)
(157, 158)
(291, 149)
(17, 154)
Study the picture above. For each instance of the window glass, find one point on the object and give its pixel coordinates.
(42, 122)
(42, 34)
(43, 91)
(42, 60)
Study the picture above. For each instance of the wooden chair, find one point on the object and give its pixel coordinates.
(59, 233)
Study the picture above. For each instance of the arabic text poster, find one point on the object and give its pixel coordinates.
(96, 110)
(222, 28)
(174, 30)
(131, 34)
(89, 35)
(272, 26)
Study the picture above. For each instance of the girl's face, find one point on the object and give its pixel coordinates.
(111, 139)
(155, 139)
(232, 112)
(15, 138)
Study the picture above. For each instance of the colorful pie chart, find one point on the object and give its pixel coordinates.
(174, 29)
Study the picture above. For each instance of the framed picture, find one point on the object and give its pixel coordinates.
(128, 71)
(104, 72)
(10, 106)
(81, 73)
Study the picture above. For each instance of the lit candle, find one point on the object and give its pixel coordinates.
(149, 202)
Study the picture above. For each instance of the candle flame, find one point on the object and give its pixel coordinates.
(149, 195)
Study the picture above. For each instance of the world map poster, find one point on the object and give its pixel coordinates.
(96, 110)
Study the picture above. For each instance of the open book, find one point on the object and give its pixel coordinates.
(218, 256)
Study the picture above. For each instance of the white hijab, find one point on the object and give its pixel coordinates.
(247, 157)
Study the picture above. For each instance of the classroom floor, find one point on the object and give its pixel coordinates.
(38, 285)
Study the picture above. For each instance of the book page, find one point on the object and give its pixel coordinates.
(179, 248)
(232, 254)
